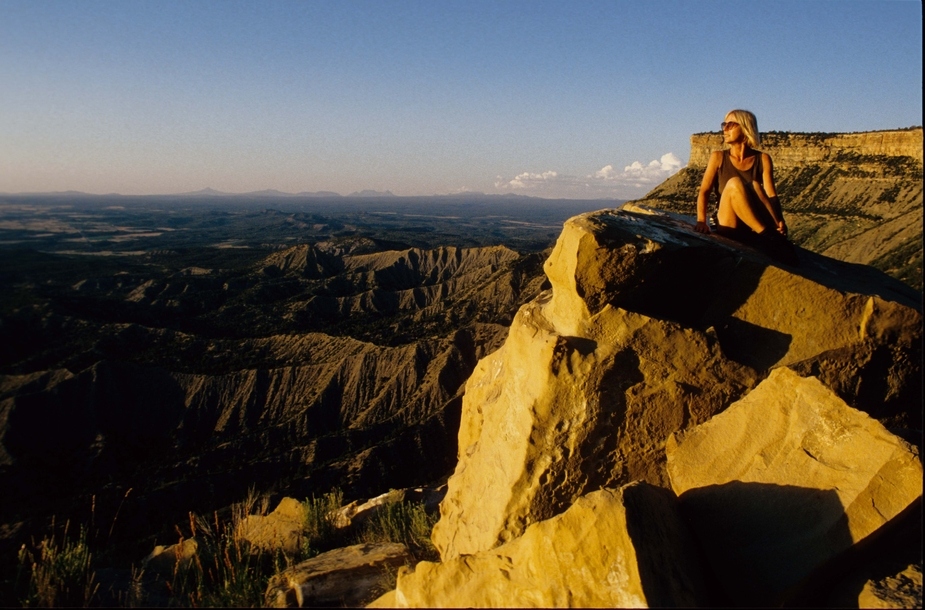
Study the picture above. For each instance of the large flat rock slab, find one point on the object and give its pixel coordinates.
(786, 480)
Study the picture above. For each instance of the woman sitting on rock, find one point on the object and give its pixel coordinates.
(749, 210)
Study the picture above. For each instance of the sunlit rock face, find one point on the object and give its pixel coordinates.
(624, 548)
(784, 481)
(650, 329)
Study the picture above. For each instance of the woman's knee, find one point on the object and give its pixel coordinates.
(735, 185)
(732, 197)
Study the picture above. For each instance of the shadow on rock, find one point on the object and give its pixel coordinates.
(766, 544)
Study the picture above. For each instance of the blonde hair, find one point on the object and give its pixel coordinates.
(749, 125)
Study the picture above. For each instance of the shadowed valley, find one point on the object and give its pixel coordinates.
(187, 353)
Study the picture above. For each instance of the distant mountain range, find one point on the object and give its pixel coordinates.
(276, 194)
(209, 192)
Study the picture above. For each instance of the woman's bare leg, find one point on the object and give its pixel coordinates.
(735, 206)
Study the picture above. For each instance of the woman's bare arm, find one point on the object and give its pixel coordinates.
(771, 200)
(703, 197)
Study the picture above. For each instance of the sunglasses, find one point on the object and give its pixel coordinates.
(728, 125)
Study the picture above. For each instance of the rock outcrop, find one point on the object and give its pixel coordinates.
(784, 481)
(650, 329)
(856, 197)
(623, 548)
(649, 333)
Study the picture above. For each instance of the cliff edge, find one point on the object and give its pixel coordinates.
(649, 334)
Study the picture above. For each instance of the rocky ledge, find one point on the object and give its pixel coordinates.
(682, 421)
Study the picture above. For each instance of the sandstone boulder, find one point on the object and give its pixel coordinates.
(651, 328)
(344, 577)
(165, 560)
(784, 481)
(282, 529)
(612, 548)
(551, 416)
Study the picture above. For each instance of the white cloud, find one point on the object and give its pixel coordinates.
(527, 180)
(634, 181)
(655, 172)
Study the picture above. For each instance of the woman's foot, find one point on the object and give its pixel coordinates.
(775, 245)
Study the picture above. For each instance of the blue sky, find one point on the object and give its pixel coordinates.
(554, 99)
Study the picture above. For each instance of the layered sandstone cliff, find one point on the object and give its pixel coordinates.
(649, 332)
(856, 197)
(791, 150)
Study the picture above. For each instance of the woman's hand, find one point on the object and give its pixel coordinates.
(782, 228)
(703, 227)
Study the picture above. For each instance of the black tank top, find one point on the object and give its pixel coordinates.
(727, 170)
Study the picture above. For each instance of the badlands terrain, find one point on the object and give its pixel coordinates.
(194, 350)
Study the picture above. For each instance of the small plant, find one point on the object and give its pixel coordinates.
(403, 522)
(253, 504)
(58, 572)
(321, 533)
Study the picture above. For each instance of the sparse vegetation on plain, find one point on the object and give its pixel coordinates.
(321, 534)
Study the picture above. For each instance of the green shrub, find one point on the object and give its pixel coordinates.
(58, 572)
(320, 532)
(224, 572)
(403, 522)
